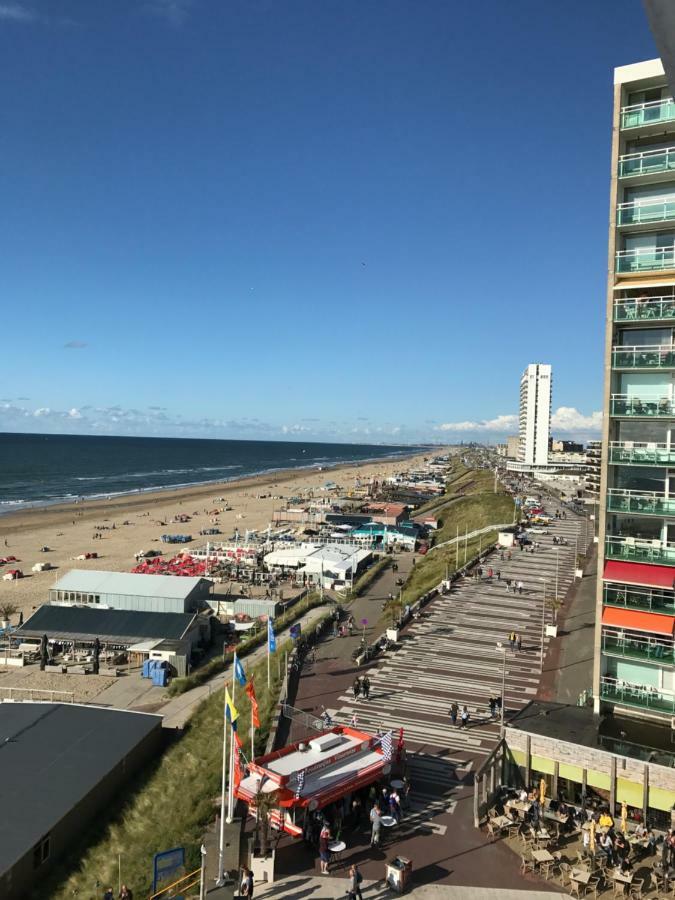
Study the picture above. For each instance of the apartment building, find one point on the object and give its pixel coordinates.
(535, 415)
(634, 670)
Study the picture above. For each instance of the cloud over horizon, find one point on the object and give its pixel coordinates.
(565, 420)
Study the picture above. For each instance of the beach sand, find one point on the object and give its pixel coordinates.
(68, 529)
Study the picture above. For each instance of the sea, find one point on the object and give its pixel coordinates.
(43, 469)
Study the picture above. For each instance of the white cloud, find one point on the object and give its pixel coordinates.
(175, 12)
(16, 12)
(74, 414)
(42, 412)
(565, 419)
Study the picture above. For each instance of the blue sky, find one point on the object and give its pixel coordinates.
(351, 219)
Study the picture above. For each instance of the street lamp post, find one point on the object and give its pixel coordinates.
(557, 559)
(502, 648)
(543, 624)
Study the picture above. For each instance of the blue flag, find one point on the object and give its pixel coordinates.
(271, 638)
(239, 673)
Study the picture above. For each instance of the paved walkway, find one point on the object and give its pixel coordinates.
(448, 654)
(322, 888)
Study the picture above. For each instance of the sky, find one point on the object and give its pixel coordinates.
(350, 220)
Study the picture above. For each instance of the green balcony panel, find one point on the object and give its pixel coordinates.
(648, 113)
(645, 212)
(645, 260)
(637, 696)
(647, 599)
(652, 162)
(659, 407)
(642, 650)
(647, 357)
(641, 309)
(641, 503)
(642, 455)
(640, 550)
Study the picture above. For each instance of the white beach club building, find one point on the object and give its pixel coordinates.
(336, 565)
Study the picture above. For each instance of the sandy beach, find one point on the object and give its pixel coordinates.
(68, 530)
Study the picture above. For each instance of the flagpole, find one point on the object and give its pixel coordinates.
(230, 797)
(221, 846)
(268, 652)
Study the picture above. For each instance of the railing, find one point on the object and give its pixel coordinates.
(632, 646)
(639, 212)
(185, 883)
(640, 550)
(638, 453)
(647, 356)
(637, 695)
(36, 695)
(647, 163)
(638, 308)
(626, 405)
(648, 113)
(650, 599)
(645, 259)
(644, 502)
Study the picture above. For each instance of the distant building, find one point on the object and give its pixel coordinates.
(387, 513)
(64, 764)
(593, 465)
(535, 415)
(123, 590)
(512, 445)
(565, 446)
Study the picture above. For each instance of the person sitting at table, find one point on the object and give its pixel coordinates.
(651, 843)
(522, 795)
(621, 847)
(605, 820)
(586, 841)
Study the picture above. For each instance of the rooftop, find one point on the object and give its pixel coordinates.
(113, 625)
(99, 582)
(54, 755)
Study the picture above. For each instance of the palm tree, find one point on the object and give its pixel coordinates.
(264, 804)
(7, 610)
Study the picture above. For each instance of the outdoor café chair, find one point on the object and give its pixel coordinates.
(635, 889)
(576, 888)
(593, 886)
(492, 834)
(526, 865)
(565, 873)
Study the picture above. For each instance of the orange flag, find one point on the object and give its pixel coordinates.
(250, 690)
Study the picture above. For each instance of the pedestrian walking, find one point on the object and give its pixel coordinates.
(365, 687)
(512, 640)
(520, 587)
(355, 879)
(356, 687)
(395, 805)
(507, 582)
(499, 574)
(246, 883)
(493, 706)
(454, 712)
(375, 825)
(519, 642)
(465, 717)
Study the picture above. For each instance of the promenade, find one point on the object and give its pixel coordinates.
(448, 655)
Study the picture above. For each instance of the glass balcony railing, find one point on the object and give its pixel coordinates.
(646, 503)
(645, 259)
(647, 599)
(639, 308)
(626, 405)
(648, 356)
(632, 646)
(651, 162)
(634, 453)
(638, 695)
(639, 549)
(648, 113)
(641, 212)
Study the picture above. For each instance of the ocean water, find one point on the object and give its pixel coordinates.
(40, 469)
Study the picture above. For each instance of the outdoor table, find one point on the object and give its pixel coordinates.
(583, 876)
(541, 856)
(503, 822)
(522, 805)
(622, 877)
(397, 784)
(388, 821)
(336, 849)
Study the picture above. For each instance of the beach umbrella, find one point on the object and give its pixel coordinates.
(592, 841)
(542, 790)
(624, 818)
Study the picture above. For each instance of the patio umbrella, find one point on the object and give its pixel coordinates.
(624, 818)
(592, 840)
(542, 790)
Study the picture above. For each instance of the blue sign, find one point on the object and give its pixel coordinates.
(166, 864)
(295, 631)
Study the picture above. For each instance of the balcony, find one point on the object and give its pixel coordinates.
(647, 599)
(634, 453)
(641, 308)
(640, 550)
(646, 503)
(646, 212)
(640, 114)
(643, 648)
(646, 259)
(651, 162)
(641, 407)
(648, 356)
(637, 695)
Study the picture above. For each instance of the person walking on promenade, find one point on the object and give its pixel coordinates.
(465, 718)
(507, 582)
(324, 854)
(395, 805)
(493, 706)
(356, 687)
(519, 642)
(512, 640)
(246, 884)
(454, 712)
(375, 825)
(365, 687)
(355, 879)
(499, 574)
(520, 587)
